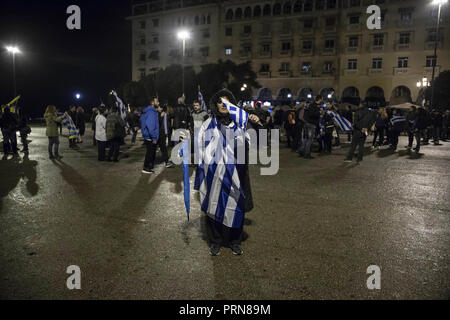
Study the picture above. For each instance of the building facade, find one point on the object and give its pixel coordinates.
(300, 48)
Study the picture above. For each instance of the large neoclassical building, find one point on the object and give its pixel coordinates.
(300, 48)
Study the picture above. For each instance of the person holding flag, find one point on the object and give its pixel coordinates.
(224, 182)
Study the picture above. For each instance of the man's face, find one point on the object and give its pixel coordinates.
(196, 106)
(155, 102)
(72, 109)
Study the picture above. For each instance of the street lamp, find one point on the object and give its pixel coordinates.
(77, 96)
(14, 50)
(436, 39)
(183, 35)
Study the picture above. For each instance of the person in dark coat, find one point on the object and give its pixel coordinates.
(436, 122)
(181, 116)
(421, 126)
(411, 128)
(363, 120)
(311, 117)
(9, 125)
(223, 231)
(133, 121)
(95, 113)
(115, 132)
(80, 123)
(380, 126)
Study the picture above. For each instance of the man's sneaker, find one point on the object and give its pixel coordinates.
(147, 171)
(170, 164)
(214, 250)
(348, 160)
(237, 250)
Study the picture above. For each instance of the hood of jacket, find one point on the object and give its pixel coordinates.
(150, 109)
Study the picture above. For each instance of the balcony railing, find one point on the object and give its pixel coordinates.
(352, 49)
(329, 51)
(265, 54)
(354, 27)
(265, 74)
(376, 71)
(350, 72)
(285, 73)
(265, 35)
(377, 48)
(330, 29)
(401, 71)
(286, 53)
(306, 52)
(402, 46)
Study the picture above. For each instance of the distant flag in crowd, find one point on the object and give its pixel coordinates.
(184, 152)
(68, 122)
(121, 106)
(202, 101)
(343, 123)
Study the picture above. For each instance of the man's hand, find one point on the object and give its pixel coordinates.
(254, 118)
(154, 142)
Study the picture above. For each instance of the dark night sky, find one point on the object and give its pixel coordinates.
(57, 62)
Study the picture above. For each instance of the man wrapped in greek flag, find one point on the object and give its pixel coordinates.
(222, 176)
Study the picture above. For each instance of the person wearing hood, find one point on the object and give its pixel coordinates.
(224, 184)
(115, 132)
(150, 133)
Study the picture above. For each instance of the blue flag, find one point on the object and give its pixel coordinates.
(184, 152)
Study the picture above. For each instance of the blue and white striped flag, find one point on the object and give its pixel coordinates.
(202, 101)
(238, 115)
(221, 194)
(343, 123)
(121, 106)
(68, 122)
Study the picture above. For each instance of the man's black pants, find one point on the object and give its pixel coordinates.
(359, 138)
(114, 149)
(222, 235)
(101, 145)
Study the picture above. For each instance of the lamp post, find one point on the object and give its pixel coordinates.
(436, 41)
(13, 51)
(183, 35)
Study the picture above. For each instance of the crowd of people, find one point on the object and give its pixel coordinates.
(311, 122)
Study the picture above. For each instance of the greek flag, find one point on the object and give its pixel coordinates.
(202, 101)
(238, 115)
(67, 121)
(121, 106)
(343, 123)
(217, 176)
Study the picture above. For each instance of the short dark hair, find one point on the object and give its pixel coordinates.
(318, 97)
